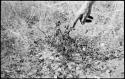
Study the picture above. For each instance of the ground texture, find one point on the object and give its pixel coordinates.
(35, 42)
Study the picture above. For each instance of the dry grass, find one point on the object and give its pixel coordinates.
(36, 41)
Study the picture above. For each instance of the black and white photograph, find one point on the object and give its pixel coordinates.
(62, 39)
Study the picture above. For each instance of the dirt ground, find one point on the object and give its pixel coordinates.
(35, 42)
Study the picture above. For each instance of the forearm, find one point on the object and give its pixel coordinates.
(83, 13)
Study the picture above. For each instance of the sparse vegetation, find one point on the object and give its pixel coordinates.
(40, 45)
